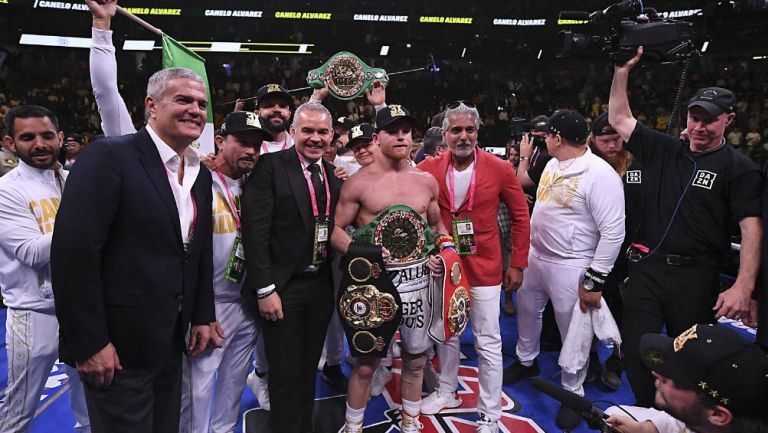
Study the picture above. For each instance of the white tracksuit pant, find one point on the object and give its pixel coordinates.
(484, 318)
(216, 377)
(32, 345)
(545, 280)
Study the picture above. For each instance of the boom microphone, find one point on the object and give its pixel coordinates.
(593, 415)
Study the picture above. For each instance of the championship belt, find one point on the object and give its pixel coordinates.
(346, 75)
(368, 304)
(402, 231)
(449, 298)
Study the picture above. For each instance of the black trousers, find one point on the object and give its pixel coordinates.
(293, 347)
(139, 400)
(659, 295)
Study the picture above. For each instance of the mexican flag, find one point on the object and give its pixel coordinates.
(176, 55)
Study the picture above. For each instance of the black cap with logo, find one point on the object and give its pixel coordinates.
(600, 126)
(392, 113)
(715, 100)
(243, 121)
(717, 362)
(568, 124)
(273, 90)
(358, 133)
(539, 123)
(77, 138)
(344, 122)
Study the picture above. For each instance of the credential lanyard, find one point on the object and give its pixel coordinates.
(264, 148)
(230, 200)
(472, 185)
(312, 194)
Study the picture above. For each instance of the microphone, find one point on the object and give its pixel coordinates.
(593, 415)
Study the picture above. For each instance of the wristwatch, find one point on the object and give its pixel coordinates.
(523, 158)
(588, 284)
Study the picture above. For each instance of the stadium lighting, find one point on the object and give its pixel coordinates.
(54, 41)
(463, 52)
(705, 46)
(539, 56)
(384, 50)
(138, 45)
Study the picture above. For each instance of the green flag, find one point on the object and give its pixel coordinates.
(176, 55)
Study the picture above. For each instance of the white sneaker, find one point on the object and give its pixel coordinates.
(381, 378)
(409, 424)
(438, 401)
(485, 425)
(351, 428)
(260, 389)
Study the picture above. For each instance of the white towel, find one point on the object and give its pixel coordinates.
(598, 322)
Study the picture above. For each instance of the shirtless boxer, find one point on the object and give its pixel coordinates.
(367, 198)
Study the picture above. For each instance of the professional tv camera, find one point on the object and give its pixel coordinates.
(626, 26)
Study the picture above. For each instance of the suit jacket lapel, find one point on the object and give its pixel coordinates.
(442, 170)
(334, 183)
(155, 168)
(298, 184)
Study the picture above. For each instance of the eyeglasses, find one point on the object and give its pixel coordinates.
(455, 104)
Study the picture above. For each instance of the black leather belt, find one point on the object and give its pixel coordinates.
(678, 260)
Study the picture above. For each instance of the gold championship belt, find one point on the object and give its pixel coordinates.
(368, 303)
(402, 231)
(346, 76)
(450, 299)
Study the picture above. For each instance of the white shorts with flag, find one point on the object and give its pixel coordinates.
(412, 282)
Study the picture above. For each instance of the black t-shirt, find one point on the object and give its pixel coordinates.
(536, 165)
(633, 204)
(538, 161)
(725, 187)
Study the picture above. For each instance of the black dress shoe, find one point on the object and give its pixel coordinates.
(594, 368)
(333, 375)
(517, 372)
(567, 418)
(611, 374)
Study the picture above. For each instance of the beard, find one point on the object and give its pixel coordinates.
(30, 161)
(464, 149)
(267, 124)
(394, 153)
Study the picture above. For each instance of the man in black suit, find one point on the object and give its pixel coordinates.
(131, 261)
(288, 206)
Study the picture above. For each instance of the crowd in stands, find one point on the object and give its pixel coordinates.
(506, 93)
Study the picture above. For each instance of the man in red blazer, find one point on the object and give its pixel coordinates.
(472, 184)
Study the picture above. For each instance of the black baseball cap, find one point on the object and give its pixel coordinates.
(363, 131)
(345, 122)
(715, 361)
(539, 123)
(74, 137)
(568, 124)
(716, 100)
(241, 121)
(393, 113)
(600, 126)
(273, 90)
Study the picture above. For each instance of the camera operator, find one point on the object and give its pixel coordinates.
(709, 380)
(693, 193)
(533, 156)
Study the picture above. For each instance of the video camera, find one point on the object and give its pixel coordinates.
(627, 25)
